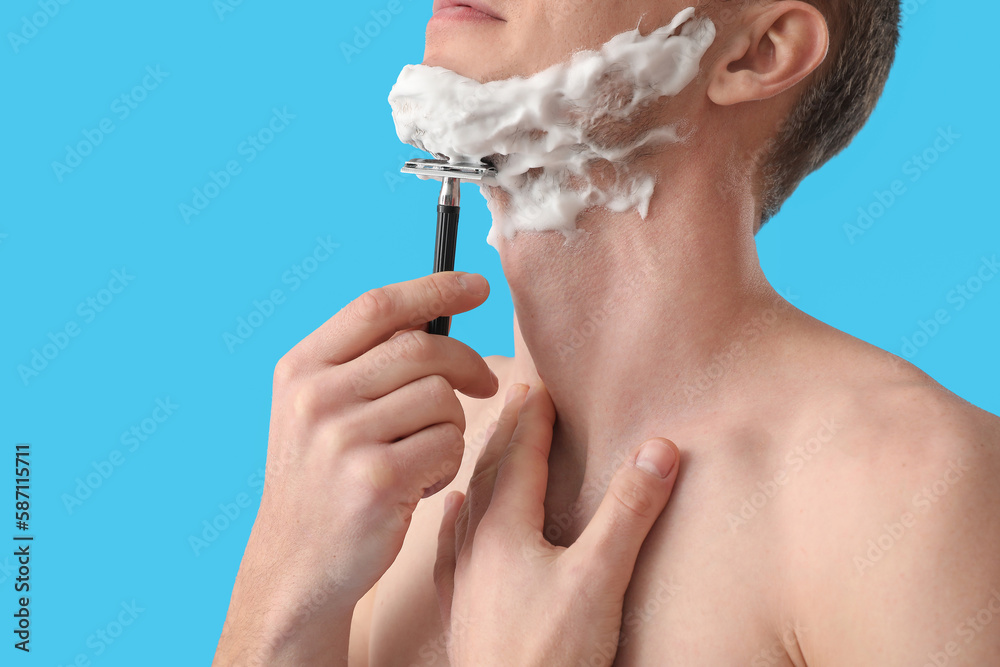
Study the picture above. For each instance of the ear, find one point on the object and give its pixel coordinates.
(777, 49)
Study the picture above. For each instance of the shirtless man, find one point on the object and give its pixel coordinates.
(834, 504)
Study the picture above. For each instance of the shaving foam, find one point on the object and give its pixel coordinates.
(543, 132)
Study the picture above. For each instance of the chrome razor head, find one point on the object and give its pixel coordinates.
(442, 169)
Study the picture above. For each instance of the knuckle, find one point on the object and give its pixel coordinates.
(375, 304)
(308, 401)
(362, 380)
(534, 548)
(458, 418)
(437, 292)
(415, 345)
(451, 438)
(635, 498)
(380, 478)
(444, 472)
(439, 390)
(287, 370)
(393, 517)
(447, 457)
(440, 291)
(336, 439)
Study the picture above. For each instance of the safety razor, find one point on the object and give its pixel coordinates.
(451, 175)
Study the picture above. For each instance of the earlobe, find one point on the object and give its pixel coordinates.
(775, 50)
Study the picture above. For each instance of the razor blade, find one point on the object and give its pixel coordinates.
(443, 169)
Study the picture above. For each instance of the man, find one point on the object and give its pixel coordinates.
(834, 502)
(679, 297)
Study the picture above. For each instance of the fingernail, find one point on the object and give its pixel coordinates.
(656, 457)
(513, 392)
(473, 283)
(449, 501)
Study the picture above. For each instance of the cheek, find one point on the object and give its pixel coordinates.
(547, 32)
(550, 32)
(587, 24)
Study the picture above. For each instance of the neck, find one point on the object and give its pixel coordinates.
(630, 323)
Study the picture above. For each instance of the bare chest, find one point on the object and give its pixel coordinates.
(704, 591)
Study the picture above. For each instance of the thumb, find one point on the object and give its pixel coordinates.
(634, 500)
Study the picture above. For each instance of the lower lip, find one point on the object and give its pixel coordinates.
(462, 14)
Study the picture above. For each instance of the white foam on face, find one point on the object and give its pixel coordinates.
(543, 132)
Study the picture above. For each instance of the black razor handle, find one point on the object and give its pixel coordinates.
(444, 256)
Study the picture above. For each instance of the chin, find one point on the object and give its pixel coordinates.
(465, 55)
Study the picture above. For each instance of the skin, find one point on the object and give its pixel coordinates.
(573, 613)
(365, 424)
(802, 448)
(829, 507)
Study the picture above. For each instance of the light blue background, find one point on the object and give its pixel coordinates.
(331, 172)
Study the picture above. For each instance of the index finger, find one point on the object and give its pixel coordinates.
(378, 314)
(523, 471)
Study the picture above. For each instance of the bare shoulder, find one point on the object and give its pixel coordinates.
(896, 417)
(898, 537)
(892, 415)
(897, 430)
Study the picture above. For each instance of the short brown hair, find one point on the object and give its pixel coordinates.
(834, 107)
